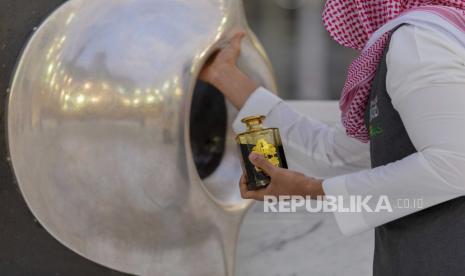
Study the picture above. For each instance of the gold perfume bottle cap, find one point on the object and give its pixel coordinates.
(253, 122)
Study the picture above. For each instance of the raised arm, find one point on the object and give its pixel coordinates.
(311, 146)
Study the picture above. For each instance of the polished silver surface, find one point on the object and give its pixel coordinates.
(98, 125)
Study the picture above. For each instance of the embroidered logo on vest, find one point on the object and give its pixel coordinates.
(375, 131)
(374, 110)
(374, 113)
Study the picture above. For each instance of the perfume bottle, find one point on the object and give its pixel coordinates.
(266, 142)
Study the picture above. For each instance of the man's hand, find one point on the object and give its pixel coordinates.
(283, 182)
(222, 72)
(223, 61)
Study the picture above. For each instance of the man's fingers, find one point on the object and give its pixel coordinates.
(246, 194)
(236, 44)
(237, 40)
(243, 186)
(258, 195)
(259, 161)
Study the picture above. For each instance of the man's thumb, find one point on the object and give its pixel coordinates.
(259, 161)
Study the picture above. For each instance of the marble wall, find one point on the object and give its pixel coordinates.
(300, 244)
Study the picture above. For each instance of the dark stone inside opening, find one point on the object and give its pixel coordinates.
(208, 127)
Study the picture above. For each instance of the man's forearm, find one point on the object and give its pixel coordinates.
(235, 85)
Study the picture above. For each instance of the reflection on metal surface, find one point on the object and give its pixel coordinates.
(98, 127)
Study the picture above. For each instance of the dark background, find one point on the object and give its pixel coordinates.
(25, 247)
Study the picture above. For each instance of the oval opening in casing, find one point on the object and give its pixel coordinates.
(208, 127)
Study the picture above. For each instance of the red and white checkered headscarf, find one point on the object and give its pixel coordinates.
(353, 23)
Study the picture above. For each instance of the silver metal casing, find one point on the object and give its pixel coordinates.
(98, 123)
